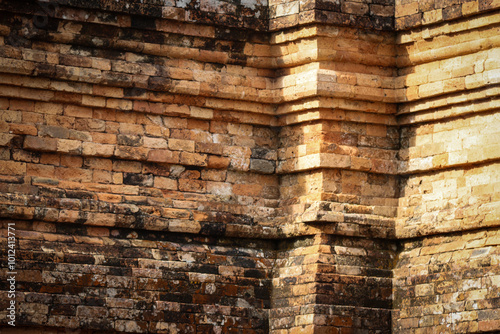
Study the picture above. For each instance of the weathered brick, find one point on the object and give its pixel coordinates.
(193, 159)
(192, 185)
(217, 162)
(73, 174)
(69, 146)
(40, 144)
(152, 211)
(165, 183)
(23, 129)
(12, 167)
(100, 150)
(77, 111)
(181, 145)
(163, 156)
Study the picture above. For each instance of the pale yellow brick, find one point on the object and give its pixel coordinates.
(431, 89)
(155, 142)
(181, 145)
(165, 183)
(469, 7)
(408, 9)
(474, 81)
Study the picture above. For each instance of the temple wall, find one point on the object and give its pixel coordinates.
(448, 283)
(445, 277)
(136, 130)
(132, 280)
(330, 284)
(251, 167)
(134, 150)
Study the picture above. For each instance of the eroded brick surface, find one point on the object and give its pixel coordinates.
(251, 167)
(448, 283)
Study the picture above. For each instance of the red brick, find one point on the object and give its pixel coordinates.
(23, 129)
(189, 185)
(489, 325)
(100, 150)
(77, 111)
(12, 167)
(73, 174)
(127, 166)
(71, 161)
(50, 159)
(193, 159)
(102, 176)
(166, 156)
(165, 183)
(40, 170)
(217, 162)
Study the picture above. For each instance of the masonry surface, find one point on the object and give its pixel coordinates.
(251, 167)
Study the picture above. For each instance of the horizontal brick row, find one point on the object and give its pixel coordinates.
(411, 14)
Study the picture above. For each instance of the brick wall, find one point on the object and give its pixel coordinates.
(448, 283)
(133, 280)
(445, 277)
(316, 277)
(132, 175)
(411, 14)
(251, 167)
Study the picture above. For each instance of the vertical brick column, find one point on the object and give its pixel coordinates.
(339, 186)
(332, 284)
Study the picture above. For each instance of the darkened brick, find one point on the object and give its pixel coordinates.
(406, 22)
(178, 298)
(159, 83)
(452, 12)
(213, 229)
(63, 309)
(145, 180)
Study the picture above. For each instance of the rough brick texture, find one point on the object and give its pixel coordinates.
(251, 167)
(448, 283)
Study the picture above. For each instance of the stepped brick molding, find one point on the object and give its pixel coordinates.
(284, 167)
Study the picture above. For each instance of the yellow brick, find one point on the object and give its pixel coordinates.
(181, 145)
(408, 9)
(433, 16)
(431, 89)
(469, 7)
